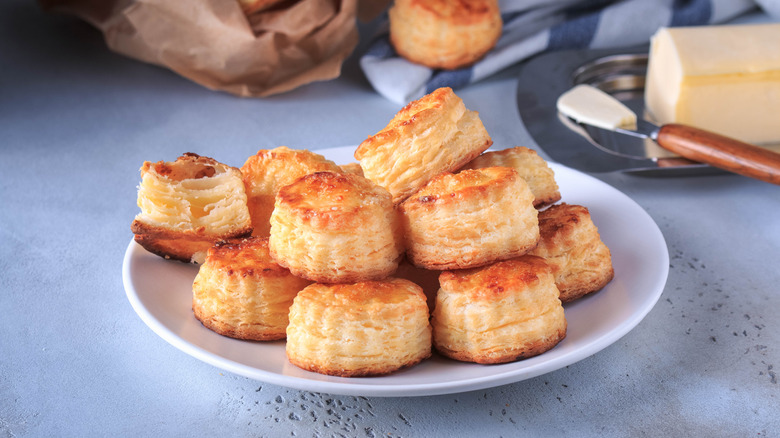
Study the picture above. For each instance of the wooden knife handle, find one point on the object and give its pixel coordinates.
(721, 152)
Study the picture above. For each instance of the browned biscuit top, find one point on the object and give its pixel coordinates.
(561, 223)
(384, 291)
(331, 195)
(188, 166)
(493, 281)
(271, 169)
(458, 12)
(244, 257)
(422, 110)
(367, 296)
(453, 187)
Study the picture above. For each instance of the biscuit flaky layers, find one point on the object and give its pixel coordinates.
(431, 135)
(444, 34)
(469, 219)
(361, 329)
(188, 205)
(335, 228)
(531, 167)
(572, 246)
(269, 170)
(242, 293)
(498, 313)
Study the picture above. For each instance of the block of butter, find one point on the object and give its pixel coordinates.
(724, 79)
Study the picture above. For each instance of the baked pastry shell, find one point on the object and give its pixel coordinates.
(188, 205)
(429, 136)
(444, 34)
(530, 166)
(359, 329)
(571, 245)
(271, 169)
(500, 313)
(335, 228)
(469, 219)
(242, 293)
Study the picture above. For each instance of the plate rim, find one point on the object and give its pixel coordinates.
(418, 389)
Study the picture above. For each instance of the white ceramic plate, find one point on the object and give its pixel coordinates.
(160, 291)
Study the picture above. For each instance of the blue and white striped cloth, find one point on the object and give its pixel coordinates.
(535, 26)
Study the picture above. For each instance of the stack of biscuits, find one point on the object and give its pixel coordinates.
(426, 242)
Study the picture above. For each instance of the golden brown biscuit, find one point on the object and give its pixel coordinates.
(498, 313)
(188, 205)
(442, 33)
(469, 219)
(572, 246)
(335, 228)
(431, 135)
(361, 329)
(531, 167)
(242, 293)
(269, 170)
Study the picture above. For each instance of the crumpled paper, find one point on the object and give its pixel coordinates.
(213, 43)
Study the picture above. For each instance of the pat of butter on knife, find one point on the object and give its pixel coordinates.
(589, 105)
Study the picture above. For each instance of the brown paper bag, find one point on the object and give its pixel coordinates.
(213, 43)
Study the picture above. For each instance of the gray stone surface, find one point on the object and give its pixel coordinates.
(76, 122)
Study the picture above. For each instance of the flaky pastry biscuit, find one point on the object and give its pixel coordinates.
(531, 167)
(469, 219)
(572, 246)
(444, 34)
(359, 329)
(498, 313)
(269, 170)
(188, 205)
(242, 293)
(335, 228)
(431, 135)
